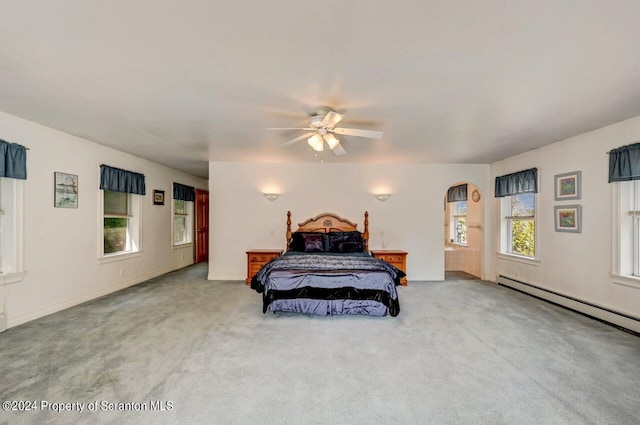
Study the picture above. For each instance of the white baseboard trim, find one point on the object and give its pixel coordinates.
(491, 278)
(419, 278)
(64, 304)
(602, 313)
(241, 277)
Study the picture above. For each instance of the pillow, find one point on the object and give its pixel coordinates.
(345, 242)
(351, 247)
(307, 242)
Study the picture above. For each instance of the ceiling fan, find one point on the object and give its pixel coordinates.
(322, 128)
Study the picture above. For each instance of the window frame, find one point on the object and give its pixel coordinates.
(454, 219)
(11, 230)
(134, 228)
(188, 215)
(506, 229)
(626, 233)
(636, 244)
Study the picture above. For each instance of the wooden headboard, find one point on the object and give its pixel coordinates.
(328, 222)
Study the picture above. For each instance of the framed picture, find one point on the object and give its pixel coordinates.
(158, 197)
(568, 218)
(65, 190)
(568, 186)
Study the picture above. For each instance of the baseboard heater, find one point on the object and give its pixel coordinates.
(603, 314)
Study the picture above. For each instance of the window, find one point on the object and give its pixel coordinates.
(183, 198)
(459, 221)
(624, 174)
(519, 235)
(182, 221)
(120, 223)
(629, 228)
(11, 230)
(518, 212)
(634, 213)
(122, 193)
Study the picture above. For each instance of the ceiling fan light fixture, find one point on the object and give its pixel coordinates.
(331, 140)
(322, 128)
(316, 142)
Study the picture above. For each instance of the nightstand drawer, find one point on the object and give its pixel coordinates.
(392, 258)
(263, 258)
(255, 268)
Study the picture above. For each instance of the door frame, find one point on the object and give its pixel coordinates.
(201, 227)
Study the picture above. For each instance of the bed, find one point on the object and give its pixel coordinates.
(327, 270)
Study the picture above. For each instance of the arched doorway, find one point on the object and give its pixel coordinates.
(463, 232)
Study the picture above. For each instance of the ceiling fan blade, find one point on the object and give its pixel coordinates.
(339, 150)
(331, 119)
(358, 133)
(297, 139)
(307, 129)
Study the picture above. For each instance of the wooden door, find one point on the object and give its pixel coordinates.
(202, 226)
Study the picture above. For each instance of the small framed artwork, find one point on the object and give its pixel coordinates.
(158, 197)
(65, 188)
(568, 186)
(568, 218)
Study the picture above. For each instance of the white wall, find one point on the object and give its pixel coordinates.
(574, 264)
(411, 220)
(61, 245)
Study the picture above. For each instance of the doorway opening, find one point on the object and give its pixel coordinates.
(463, 232)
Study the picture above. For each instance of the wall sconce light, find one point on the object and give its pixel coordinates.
(382, 196)
(271, 196)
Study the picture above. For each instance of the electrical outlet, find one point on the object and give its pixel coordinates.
(121, 272)
(517, 274)
(182, 255)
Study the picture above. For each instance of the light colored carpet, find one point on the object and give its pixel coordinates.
(460, 352)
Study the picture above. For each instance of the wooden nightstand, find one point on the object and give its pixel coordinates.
(256, 258)
(395, 258)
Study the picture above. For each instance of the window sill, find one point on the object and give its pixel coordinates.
(182, 245)
(111, 258)
(8, 278)
(630, 281)
(518, 259)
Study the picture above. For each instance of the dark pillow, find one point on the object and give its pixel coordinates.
(307, 242)
(351, 247)
(335, 239)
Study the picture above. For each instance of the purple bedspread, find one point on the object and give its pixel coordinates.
(329, 284)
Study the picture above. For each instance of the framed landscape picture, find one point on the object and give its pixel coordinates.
(158, 197)
(65, 190)
(568, 218)
(568, 186)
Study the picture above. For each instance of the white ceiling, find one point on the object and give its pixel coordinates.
(188, 81)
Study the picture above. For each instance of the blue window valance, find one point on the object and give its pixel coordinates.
(13, 160)
(118, 180)
(624, 163)
(183, 192)
(521, 182)
(457, 193)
